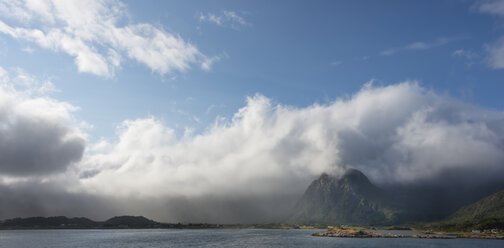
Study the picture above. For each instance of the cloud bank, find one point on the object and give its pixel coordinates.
(93, 32)
(36, 135)
(400, 133)
(255, 164)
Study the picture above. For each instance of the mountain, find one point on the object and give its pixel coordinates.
(487, 213)
(350, 199)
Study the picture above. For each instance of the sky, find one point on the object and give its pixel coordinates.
(185, 104)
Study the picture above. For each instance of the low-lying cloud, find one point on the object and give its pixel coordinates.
(399, 133)
(264, 157)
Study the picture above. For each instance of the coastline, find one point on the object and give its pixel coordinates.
(357, 233)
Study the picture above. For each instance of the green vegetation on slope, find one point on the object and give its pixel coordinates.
(485, 214)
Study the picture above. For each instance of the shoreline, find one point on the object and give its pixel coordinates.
(355, 233)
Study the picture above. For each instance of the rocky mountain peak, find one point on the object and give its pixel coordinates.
(349, 199)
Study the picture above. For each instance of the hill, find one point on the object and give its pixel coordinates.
(49, 222)
(130, 222)
(62, 222)
(351, 199)
(487, 213)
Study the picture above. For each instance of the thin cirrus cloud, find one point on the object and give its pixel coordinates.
(468, 54)
(495, 54)
(493, 7)
(494, 50)
(336, 63)
(471, 57)
(89, 32)
(226, 18)
(420, 45)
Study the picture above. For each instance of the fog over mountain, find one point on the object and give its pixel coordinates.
(248, 168)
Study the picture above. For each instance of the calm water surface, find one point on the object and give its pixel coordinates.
(211, 238)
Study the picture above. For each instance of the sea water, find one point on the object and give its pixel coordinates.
(152, 238)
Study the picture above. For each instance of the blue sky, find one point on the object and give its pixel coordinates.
(297, 53)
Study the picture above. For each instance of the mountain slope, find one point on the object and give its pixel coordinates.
(486, 213)
(351, 199)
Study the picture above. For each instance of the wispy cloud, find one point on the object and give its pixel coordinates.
(208, 62)
(494, 7)
(364, 58)
(336, 63)
(421, 45)
(188, 115)
(469, 55)
(27, 49)
(495, 54)
(495, 50)
(226, 18)
(90, 32)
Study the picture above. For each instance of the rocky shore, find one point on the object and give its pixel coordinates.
(354, 233)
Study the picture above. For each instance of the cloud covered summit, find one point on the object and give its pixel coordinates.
(399, 134)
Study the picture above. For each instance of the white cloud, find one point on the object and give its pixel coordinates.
(397, 133)
(420, 45)
(227, 18)
(89, 32)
